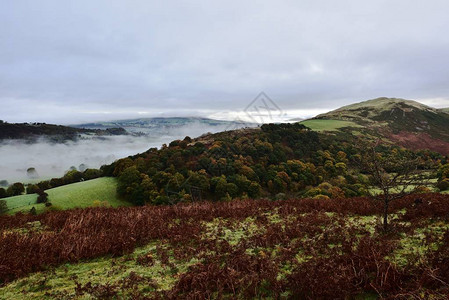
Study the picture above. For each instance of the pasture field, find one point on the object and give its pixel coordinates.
(328, 125)
(248, 249)
(80, 194)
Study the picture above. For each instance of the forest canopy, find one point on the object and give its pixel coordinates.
(276, 161)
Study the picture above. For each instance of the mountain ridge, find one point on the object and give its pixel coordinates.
(162, 124)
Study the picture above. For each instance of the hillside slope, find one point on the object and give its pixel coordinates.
(80, 194)
(406, 122)
(248, 249)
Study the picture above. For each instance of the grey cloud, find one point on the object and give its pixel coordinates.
(75, 60)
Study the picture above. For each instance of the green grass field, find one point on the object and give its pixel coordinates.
(328, 125)
(80, 194)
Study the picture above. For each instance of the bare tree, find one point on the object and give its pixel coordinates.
(392, 173)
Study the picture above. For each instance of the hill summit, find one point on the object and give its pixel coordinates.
(406, 122)
(380, 109)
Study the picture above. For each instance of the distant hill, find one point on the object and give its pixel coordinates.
(379, 110)
(163, 125)
(296, 120)
(56, 133)
(409, 123)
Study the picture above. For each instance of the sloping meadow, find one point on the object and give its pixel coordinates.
(305, 248)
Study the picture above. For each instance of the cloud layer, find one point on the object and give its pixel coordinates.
(76, 61)
(54, 159)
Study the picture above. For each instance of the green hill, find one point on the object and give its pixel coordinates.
(81, 194)
(405, 122)
(394, 111)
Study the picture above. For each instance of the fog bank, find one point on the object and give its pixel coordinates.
(53, 160)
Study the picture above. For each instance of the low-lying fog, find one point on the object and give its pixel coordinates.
(53, 160)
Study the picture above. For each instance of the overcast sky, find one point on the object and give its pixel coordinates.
(86, 60)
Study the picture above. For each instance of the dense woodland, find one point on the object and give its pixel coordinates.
(277, 161)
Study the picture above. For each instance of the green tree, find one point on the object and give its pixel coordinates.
(443, 185)
(232, 189)
(341, 168)
(199, 180)
(33, 211)
(42, 196)
(254, 190)
(121, 165)
(44, 185)
(92, 173)
(443, 172)
(72, 176)
(16, 189)
(32, 188)
(219, 186)
(3, 207)
(242, 183)
(3, 193)
(55, 182)
(150, 189)
(128, 186)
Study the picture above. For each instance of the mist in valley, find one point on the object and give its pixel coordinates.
(54, 159)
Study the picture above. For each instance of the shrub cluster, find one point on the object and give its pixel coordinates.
(357, 262)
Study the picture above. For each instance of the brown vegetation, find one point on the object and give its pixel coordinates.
(420, 141)
(357, 262)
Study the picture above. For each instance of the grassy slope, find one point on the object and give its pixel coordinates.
(81, 194)
(328, 125)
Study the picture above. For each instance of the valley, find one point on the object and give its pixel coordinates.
(229, 150)
(52, 153)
